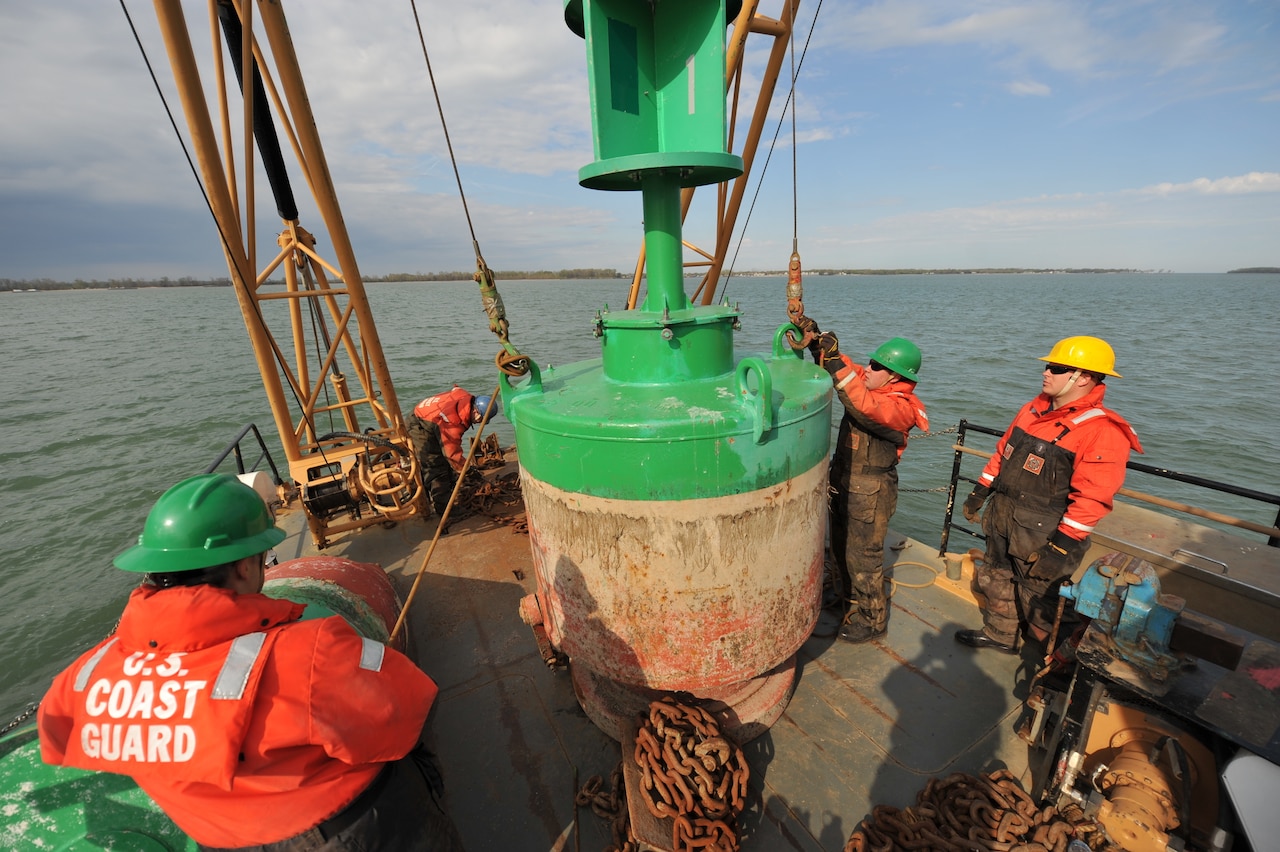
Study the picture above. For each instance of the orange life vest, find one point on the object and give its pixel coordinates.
(245, 725)
(452, 412)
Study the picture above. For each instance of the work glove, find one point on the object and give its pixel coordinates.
(1053, 559)
(808, 326)
(829, 350)
(973, 503)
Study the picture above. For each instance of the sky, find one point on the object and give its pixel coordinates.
(1123, 134)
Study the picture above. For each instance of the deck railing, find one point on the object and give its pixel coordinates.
(1272, 533)
(234, 450)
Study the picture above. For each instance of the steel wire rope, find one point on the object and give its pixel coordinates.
(222, 236)
(444, 126)
(509, 360)
(768, 157)
(795, 185)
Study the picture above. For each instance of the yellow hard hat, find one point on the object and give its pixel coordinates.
(1084, 353)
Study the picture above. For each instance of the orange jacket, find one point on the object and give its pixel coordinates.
(452, 412)
(245, 725)
(893, 405)
(1099, 439)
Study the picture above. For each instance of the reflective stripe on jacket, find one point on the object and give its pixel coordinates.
(245, 725)
(1097, 438)
(452, 412)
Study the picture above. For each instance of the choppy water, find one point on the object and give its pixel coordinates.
(111, 396)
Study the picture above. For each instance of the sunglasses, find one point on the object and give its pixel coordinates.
(1058, 369)
(876, 365)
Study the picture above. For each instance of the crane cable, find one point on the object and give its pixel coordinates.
(790, 104)
(795, 286)
(509, 359)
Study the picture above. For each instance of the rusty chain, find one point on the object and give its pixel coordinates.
(966, 813)
(610, 805)
(795, 310)
(498, 497)
(689, 772)
(20, 718)
(692, 773)
(489, 454)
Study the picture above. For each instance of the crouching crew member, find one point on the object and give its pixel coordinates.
(248, 726)
(436, 428)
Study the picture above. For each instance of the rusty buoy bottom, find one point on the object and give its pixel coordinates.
(745, 710)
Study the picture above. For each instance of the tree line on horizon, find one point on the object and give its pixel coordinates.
(538, 275)
(189, 281)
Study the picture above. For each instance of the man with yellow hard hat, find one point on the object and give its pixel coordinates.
(1053, 476)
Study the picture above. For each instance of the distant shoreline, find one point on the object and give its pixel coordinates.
(45, 284)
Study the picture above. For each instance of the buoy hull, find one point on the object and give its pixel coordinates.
(687, 595)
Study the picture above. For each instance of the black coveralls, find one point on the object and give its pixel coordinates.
(438, 476)
(1024, 511)
(864, 479)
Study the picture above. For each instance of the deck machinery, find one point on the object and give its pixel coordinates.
(1160, 702)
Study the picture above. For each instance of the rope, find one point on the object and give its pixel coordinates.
(899, 584)
(795, 192)
(444, 126)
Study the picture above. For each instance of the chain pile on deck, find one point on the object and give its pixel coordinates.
(497, 497)
(689, 772)
(970, 814)
(692, 774)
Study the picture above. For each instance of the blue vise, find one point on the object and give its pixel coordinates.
(1122, 596)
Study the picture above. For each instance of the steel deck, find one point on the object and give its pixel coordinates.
(867, 724)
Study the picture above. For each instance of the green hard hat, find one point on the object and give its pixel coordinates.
(203, 521)
(900, 355)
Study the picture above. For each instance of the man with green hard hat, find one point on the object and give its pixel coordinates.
(247, 725)
(880, 408)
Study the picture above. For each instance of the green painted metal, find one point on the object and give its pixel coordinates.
(649, 347)
(664, 251)
(666, 413)
(324, 598)
(60, 808)
(754, 425)
(656, 74)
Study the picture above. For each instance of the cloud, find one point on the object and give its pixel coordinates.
(1081, 40)
(1058, 35)
(1029, 87)
(1071, 228)
(1248, 184)
(930, 101)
